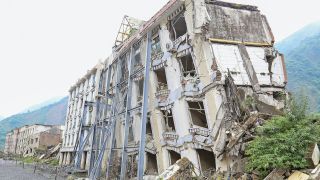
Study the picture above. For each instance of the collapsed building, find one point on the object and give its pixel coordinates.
(29, 139)
(188, 83)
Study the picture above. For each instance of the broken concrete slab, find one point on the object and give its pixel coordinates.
(276, 174)
(313, 155)
(297, 175)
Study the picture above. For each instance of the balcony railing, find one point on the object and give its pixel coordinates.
(138, 72)
(162, 93)
(170, 136)
(199, 131)
(190, 85)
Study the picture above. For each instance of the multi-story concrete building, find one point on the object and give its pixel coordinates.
(85, 90)
(11, 141)
(27, 139)
(213, 72)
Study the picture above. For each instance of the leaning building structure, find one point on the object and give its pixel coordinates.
(189, 82)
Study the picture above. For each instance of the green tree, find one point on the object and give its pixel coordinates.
(283, 141)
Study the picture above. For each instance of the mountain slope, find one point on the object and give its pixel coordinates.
(302, 54)
(43, 104)
(1, 117)
(53, 114)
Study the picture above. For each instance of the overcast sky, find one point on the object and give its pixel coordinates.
(46, 45)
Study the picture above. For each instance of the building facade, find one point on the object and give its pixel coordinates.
(11, 141)
(28, 139)
(213, 70)
(85, 90)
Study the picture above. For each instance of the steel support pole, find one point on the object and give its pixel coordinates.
(93, 150)
(107, 100)
(111, 119)
(80, 136)
(144, 109)
(127, 118)
(93, 139)
(104, 136)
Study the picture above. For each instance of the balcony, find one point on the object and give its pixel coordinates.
(162, 93)
(138, 72)
(150, 146)
(159, 61)
(191, 85)
(199, 131)
(170, 136)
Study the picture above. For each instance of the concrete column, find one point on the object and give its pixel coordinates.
(181, 112)
(61, 158)
(88, 160)
(68, 161)
(192, 155)
(157, 125)
(165, 158)
(83, 160)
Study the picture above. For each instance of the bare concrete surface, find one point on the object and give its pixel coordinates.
(9, 170)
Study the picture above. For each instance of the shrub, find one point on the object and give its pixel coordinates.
(283, 141)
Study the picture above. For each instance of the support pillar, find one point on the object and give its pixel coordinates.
(64, 162)
(68, 158)
(83, 160)
(61, 158)
(192, 155)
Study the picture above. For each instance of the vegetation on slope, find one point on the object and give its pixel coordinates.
(53, 114)
(302, 54)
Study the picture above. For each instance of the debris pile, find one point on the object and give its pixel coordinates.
(52, 152)
(313, 172)
(182, 169)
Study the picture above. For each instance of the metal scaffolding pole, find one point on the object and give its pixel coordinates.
(107, 102)
(144, 109)
(112, 116)
(127, 117)
(105, 130)
(77, 157)
(93, 139)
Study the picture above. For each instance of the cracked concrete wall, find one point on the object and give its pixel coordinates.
(234, 24)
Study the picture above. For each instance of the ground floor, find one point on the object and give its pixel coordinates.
(67, 158)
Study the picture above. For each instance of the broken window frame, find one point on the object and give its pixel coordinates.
(148, 155)
(140, 89)
(130, 131)
(200, 109)
(173, 21)
(124, 68)
(206, 158)
(147, 127)
(155, 46)
(170, 152)
(182, 68)
(166, 119)
(137, 55)
(161, 85)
